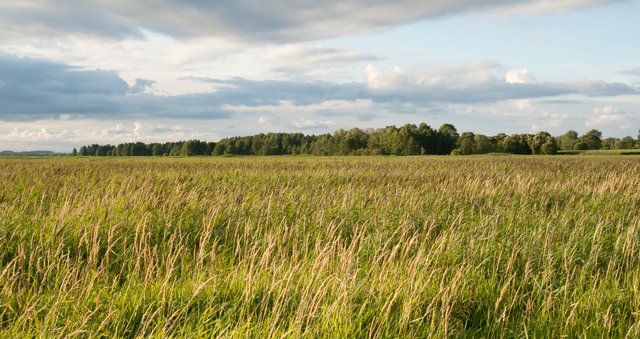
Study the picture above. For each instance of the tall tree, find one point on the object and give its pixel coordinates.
(516, 144)
(483, 144)
(536, 142)
(550, 147)
(626, 143)
(593, 139)
(448, 138)
(568, 140)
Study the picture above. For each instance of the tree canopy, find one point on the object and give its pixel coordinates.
(408, 139)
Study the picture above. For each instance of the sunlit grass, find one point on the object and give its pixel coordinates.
(602, 152)
(320, 247)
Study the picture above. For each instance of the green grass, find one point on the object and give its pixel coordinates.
(320, 247)
(603, 152)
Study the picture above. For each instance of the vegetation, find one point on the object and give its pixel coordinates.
(320, 247)
(406, 140)
(603, 152)
(29, 154)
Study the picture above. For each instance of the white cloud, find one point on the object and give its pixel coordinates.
(469, 74)
(385, 79)
(41, 133)
(246, 20)
(609, 116)
(523, 105)
(63, 135)
(262, 120)
(164, 40)
(632, 71)
(298, 58)
(461, 76)
(511, 116)
(359, 107)
(556, 6)
(308, 124)
(138, 130)
(519, 76)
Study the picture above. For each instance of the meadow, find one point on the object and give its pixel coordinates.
(632, 152)
(336, 247)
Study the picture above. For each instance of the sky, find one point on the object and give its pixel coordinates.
(110, 71)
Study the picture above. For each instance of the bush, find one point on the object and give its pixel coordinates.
(581, 146)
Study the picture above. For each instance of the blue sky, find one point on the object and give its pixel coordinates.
(118, 71)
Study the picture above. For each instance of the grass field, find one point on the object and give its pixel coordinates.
(603, 152)
(320, 247)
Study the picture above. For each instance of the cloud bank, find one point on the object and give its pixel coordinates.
(35, 89)
(268, 20)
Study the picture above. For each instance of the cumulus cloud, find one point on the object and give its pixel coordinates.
(476, 73)
(519, 76)
(609, 116)
(272, 20)
(138, 130)
(262, 120)
(34, 89)
(513, 116)
(480, 81)
(385, 79)
(309, 124)
(41, 133)
(62, 136)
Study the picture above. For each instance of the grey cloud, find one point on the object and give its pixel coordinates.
(632, 71)
(141, 85)
(67, 16)
(24, 76)
(250, 20)
(240, 91)
(296, 58)
(35, 89)
(476, 82)
(561, 101)
(497, 91)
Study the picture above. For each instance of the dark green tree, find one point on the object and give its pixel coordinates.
(626, 143)
(536, 142)
(581, 146)
(593, 139)
(448, 138)
(516, 144)
(483, 144)
(466, 144)
(550, 147)
(568, 140)
(610, 143)
(156, 150)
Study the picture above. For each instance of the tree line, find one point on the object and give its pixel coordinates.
(391, 140)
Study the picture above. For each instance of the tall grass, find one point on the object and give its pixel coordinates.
(320, 247)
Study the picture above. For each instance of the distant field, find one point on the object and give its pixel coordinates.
(604, 152)
(515, 246)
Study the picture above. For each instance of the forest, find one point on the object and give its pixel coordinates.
(391, 140)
